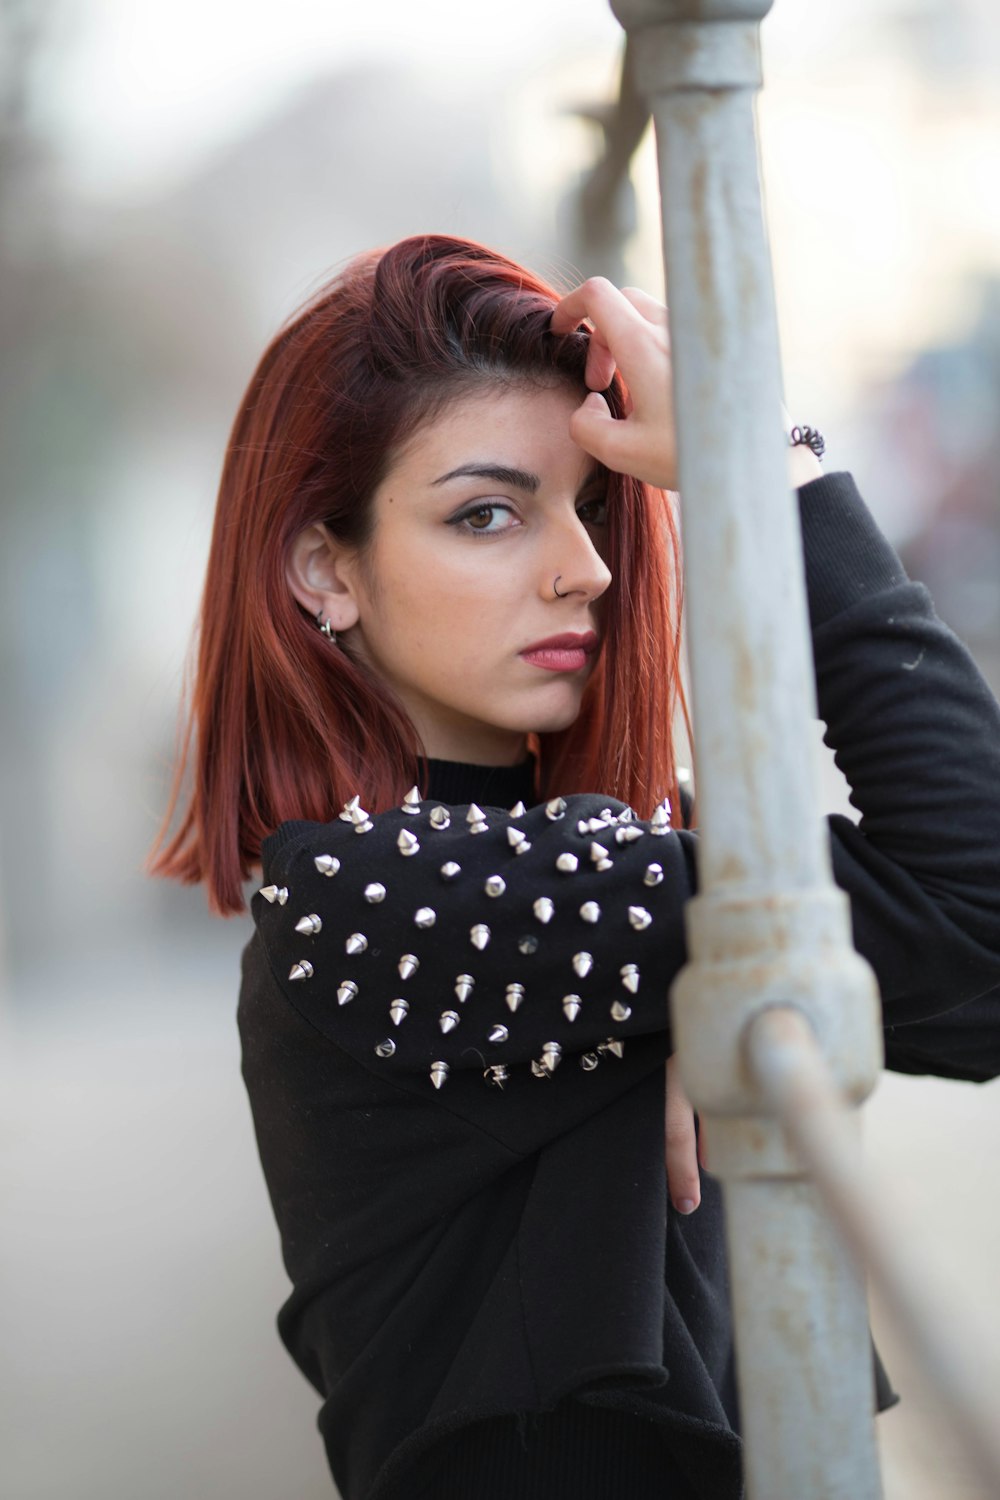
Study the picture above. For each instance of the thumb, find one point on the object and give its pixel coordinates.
(590, 424)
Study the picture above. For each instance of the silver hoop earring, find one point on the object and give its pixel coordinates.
(555, 590)
(325, 628)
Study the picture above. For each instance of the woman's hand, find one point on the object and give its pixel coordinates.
(629, 332)
(683, 1149)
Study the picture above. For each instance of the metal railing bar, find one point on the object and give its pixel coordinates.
(785, 1058)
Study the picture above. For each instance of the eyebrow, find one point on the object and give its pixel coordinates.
(521, 479)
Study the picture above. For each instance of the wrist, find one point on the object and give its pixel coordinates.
(803, 466)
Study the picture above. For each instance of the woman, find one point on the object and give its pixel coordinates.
(436, 682)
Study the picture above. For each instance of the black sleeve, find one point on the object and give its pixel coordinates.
(964, 1043)
(916, 732)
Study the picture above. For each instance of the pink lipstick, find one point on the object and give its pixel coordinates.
(562, 653)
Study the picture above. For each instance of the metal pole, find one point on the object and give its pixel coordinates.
(768, 925)
(782, 1053)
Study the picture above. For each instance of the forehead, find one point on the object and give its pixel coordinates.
(521, 426)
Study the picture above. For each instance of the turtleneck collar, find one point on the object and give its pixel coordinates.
(491, 786)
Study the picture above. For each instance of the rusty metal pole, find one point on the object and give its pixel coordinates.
(768, 927)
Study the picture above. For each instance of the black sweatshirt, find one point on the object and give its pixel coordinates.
(458, 1085)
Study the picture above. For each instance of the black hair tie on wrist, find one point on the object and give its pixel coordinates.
(810, 436)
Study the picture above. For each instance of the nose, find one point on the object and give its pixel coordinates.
(573, 559)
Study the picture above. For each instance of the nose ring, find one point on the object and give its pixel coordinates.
(555, 590)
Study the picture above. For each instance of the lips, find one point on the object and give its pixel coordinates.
(562, 653)
(585, 641)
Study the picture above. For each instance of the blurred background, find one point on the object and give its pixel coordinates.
(174, 181)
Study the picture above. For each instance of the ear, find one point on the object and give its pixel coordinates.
(321, 575)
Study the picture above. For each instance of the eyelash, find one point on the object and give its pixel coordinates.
(495, 505)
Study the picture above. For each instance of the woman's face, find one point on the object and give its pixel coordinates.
(485, 506)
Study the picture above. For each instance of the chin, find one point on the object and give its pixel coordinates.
(556, 718)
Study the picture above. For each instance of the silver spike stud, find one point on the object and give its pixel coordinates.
(440, 818)
(659, 823)
(630, 977)
(479, 935)
(516, 837)
(347, 990)
(362, 822)
(407, 843)
(495, 885)
(514, 996)
(408, 965)
(628, 833)
(590, 911)
(551, 1053)
(347, 816)
(599, 855)
(374, 893)
(398, 1009)
(273, 893)
(544, 909)
(613, 1044)
(327, 864)
(309, 926)
(464, 985)
(527, 944)
(476, 819)
(582, 964)
(449, 1020)
(499, 1033)
(411, 802)
(539, 1069)
(583, 827)
(567, 863)
(356, 943)
(571, 1006)
(450, 870)
(555, 809)
(426, 916)
(653, 875)
(303, 970)
(496, 1075)
(386, 1048)
(589, 1061)
(439, 1072)
(639, 917)
(620, 1011)
(518, 810)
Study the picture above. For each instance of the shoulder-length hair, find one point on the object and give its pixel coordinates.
(279, 725)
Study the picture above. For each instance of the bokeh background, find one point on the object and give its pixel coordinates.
(174, 181)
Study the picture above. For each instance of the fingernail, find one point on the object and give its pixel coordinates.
(685, 1205)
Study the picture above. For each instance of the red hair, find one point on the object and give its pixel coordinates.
(282, 727)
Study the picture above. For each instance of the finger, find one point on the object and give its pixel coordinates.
(600, 434)
(639, 347)
(651, 310)
(601, 365)
(600, 301)
(681, 1145)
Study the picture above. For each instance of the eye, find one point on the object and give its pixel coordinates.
(594, 512)
(485, 519)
